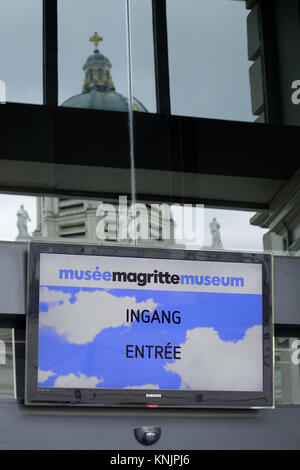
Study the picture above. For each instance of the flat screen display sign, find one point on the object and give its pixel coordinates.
(133, 326)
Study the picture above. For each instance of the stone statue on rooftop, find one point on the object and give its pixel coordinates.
(215, 234)
(22, 221)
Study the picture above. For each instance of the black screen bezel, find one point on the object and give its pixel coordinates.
(35, 395)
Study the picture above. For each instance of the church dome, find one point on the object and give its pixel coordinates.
(107, 100)
(98, 90)
(96, 56)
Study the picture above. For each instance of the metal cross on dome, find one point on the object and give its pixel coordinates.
(96, 39)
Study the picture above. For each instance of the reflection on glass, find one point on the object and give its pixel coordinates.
(7, 389)
(106, 221)
(21, 50)
(10, 209)
(282, 219)
(157, 223)
(92, 37)
(235, 230)
(209, 67)
(24, 218)
(142, 53)
(287, 370)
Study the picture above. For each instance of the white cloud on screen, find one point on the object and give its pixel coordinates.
(52, 297)
(80, 322)
(44, 375)
(144, 387)
(208, 363)
(77, 381)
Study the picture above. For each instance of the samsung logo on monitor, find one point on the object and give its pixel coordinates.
(153, 395)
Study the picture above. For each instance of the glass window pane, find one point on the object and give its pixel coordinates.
(92, 75)
(10, 206)
(287, 370)
(209, 67)
(225, 229)
(105, 221)
(21, 56)
(177, 226)
(142, 55)
(159, 223)
(92, 54)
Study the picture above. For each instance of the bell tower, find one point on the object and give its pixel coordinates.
(97, 70)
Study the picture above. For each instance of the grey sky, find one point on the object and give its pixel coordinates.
(207, 52)
(208, 62)
(208, 59)
(21, 49)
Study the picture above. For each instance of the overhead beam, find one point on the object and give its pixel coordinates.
(45, 150)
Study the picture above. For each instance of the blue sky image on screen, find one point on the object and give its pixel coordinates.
(85, 340)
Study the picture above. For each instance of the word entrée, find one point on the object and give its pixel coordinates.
(153, 351)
